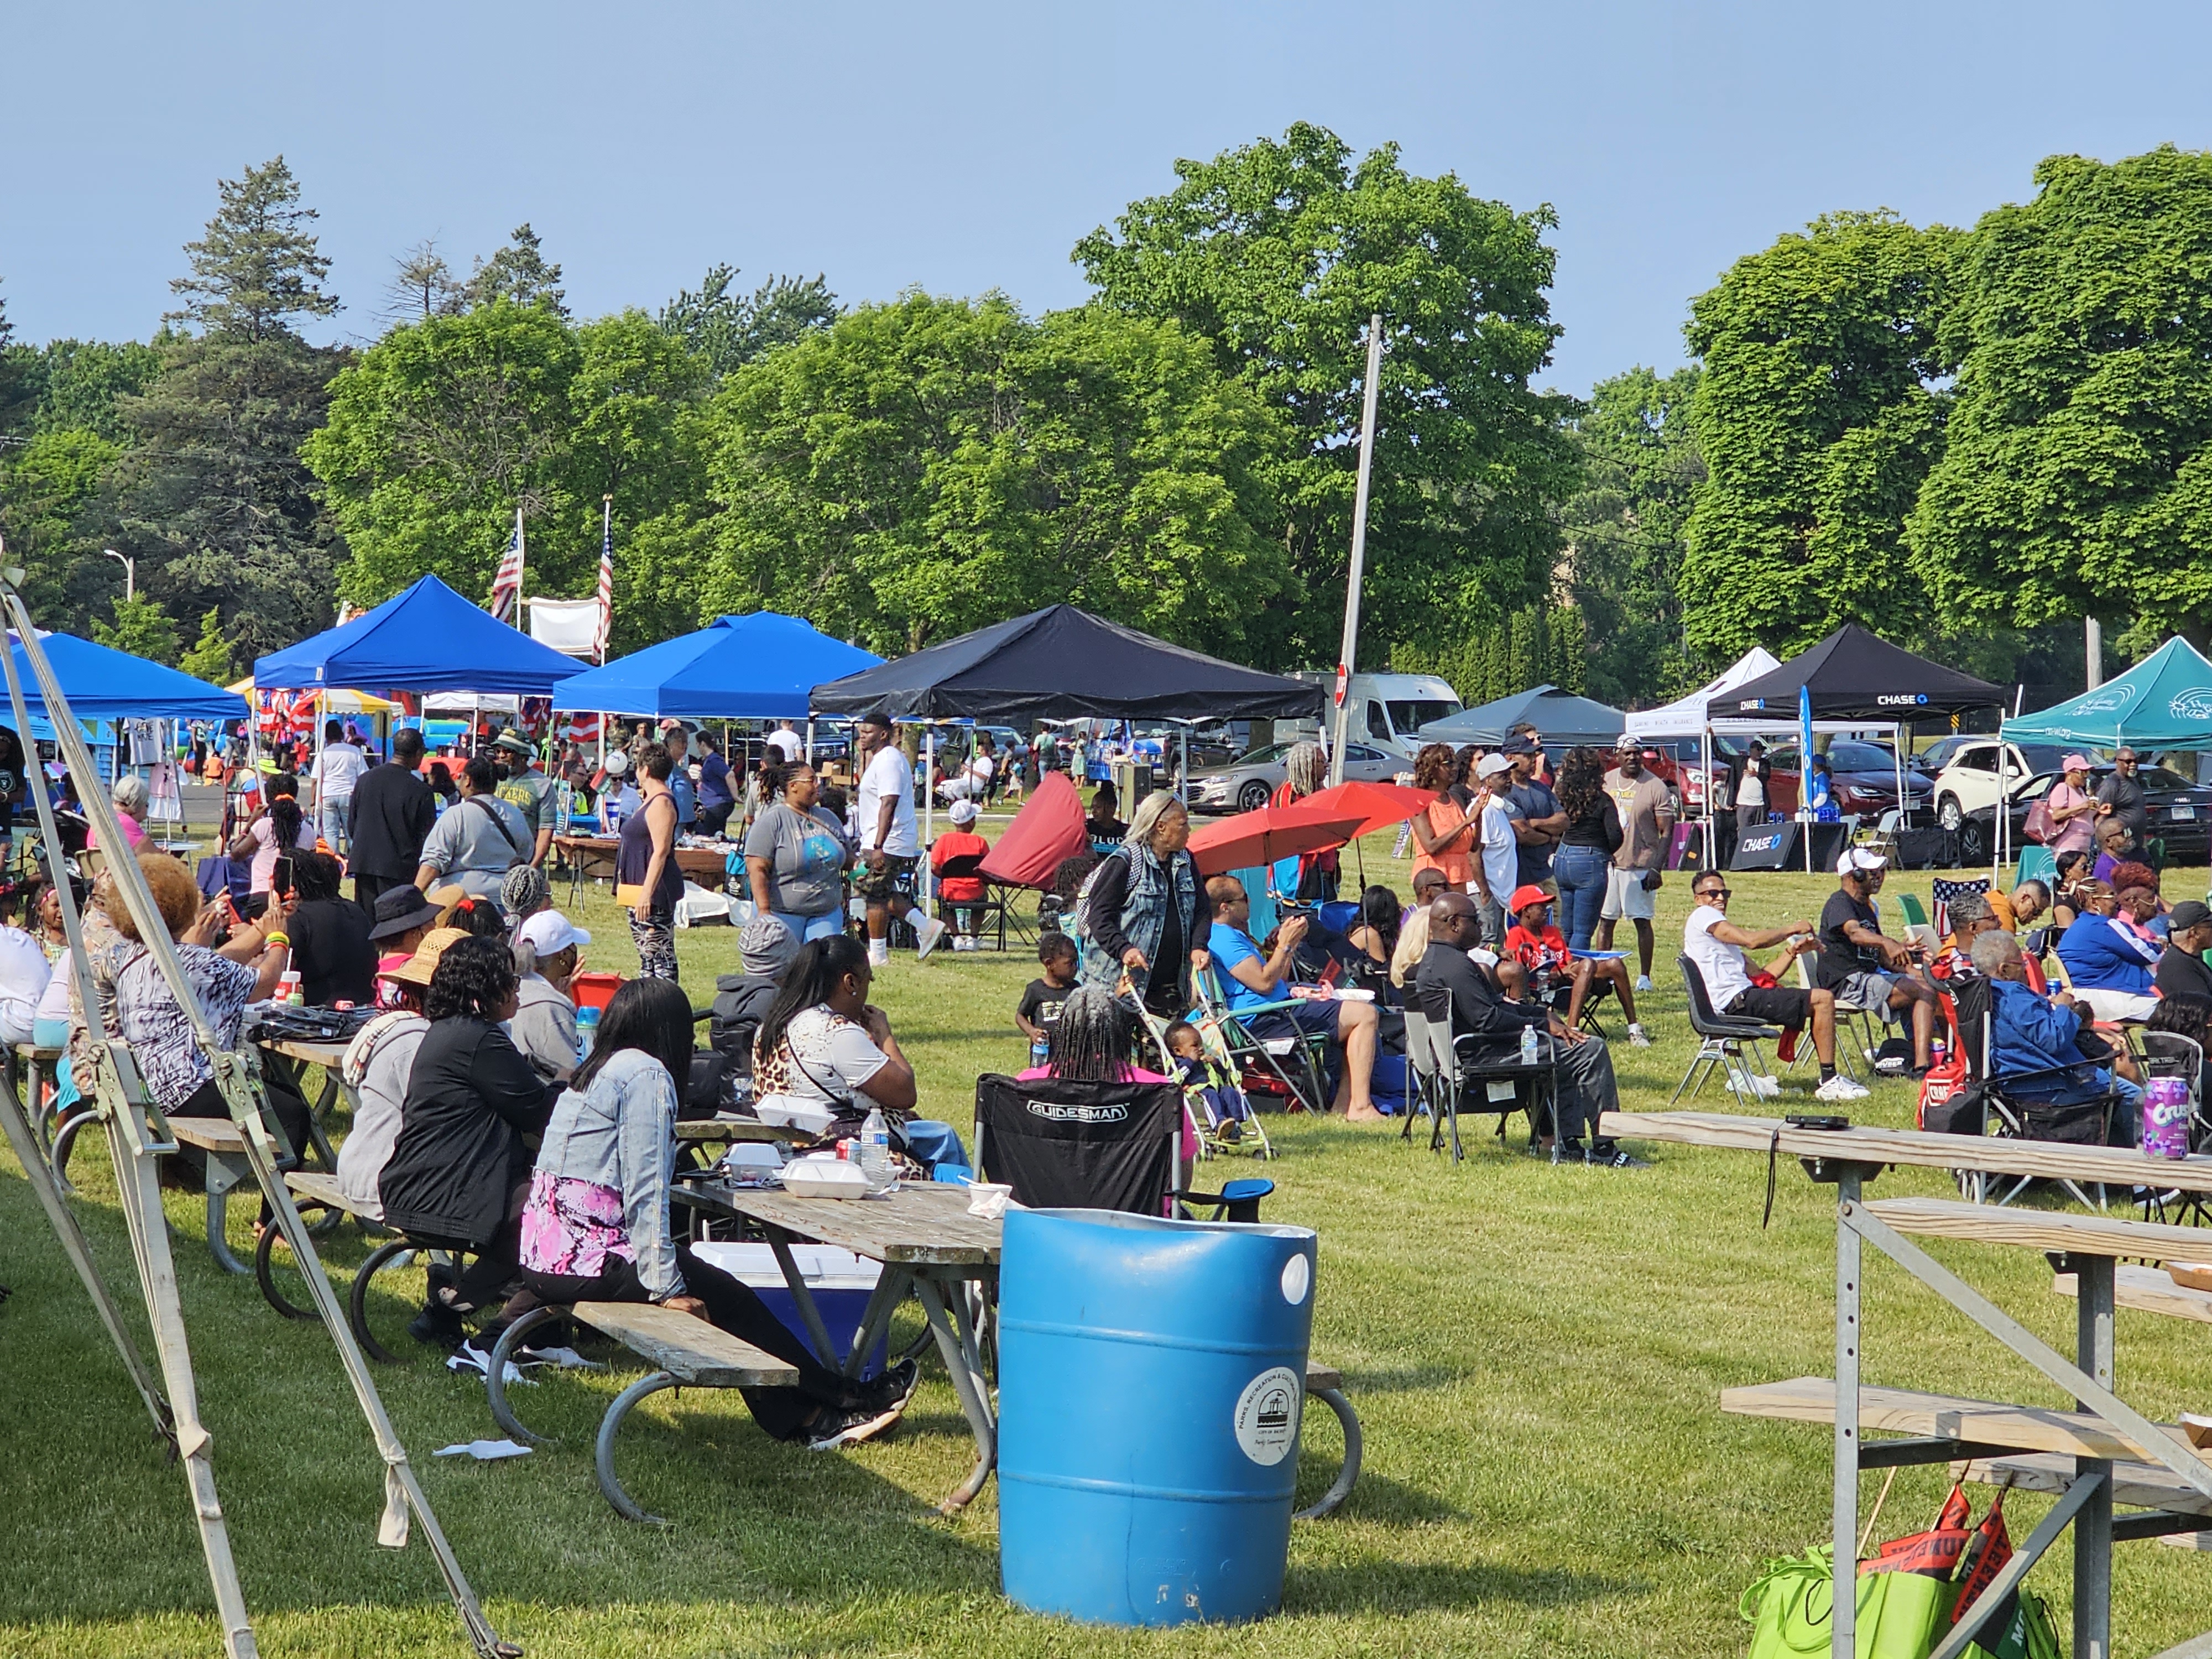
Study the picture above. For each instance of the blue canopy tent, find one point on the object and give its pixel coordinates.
(758, 667)
(426, 639)
(2164, 702)
(104, 685)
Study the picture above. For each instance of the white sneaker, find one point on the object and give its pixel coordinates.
(926, 937)
(1643, 981)
(1840, 1087)
(962, 944)
(879, 952)
(1637, 1037)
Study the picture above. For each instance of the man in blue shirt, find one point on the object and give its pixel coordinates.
(1253, 979)
(1542, 821)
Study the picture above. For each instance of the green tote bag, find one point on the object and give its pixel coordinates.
(1901, 1615)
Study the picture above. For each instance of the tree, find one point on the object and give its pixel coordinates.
(727, 330)
(925, 467)
(211, 657)
(48, 485)
(2078, 476)
(142, 628)
(212, 496)
(1276, 254)
(258, 265)
(517, 273)
(422, 286)
(1818, 416)
(1625, 531)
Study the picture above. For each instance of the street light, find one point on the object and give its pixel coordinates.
(129, 572)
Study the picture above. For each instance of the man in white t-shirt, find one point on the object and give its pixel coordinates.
(891, 846)
(972, 781)
(1499, 849)
(1716, 946)
(337, 769)
(786, 742)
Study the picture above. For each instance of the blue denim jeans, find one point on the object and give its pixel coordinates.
(1580, 872)
(333, 813)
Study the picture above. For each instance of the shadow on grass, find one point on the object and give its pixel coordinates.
(1375, 1498)
(1392, 1587)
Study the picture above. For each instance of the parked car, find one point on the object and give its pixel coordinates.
(1245, 784)
(2176, 812)
(1681, 761)
(1967, 778)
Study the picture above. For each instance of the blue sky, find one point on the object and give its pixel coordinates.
(964, 147)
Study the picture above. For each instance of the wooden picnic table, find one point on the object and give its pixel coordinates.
(591, 858)
(23, 1062)
(928, 1245)
(2099, 1441)
(330, 1056)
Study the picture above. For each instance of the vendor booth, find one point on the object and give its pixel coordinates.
(758, 667)
(1560, 717)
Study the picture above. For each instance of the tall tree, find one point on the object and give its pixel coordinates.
(1276, 254)
(1818, 414)
(2078, 478)
(142, 628)
(924, 467)
(1625, 531)
(422, 285)
(727, 330)
(211, 657)
(212, 496)
(518, 273)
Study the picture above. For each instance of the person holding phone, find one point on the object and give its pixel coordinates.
(277, 831)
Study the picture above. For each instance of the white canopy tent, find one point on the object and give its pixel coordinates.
(1687, 717)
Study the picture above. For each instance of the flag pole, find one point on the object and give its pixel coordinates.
(1347, 657)
(606, 573)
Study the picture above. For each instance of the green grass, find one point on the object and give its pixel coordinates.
(1536, 1353)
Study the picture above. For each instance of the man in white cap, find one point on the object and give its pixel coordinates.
(1864, 969)
(1647, 823)
(1497, 867)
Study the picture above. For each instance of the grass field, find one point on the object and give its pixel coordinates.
(1536, 1353)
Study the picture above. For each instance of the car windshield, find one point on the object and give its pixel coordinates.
(2041, 756)
(1410, 716)
(1860, 757)
(2157, 777)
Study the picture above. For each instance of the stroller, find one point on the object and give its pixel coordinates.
(1214, 1105)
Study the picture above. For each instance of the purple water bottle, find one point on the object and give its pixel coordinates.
(2166, 1117)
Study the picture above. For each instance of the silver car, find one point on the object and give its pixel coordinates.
(1245, 784)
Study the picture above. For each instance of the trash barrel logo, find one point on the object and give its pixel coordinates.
(1268, 1416)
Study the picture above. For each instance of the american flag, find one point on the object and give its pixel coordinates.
(507, 586)
(606, 595)
(581, 728)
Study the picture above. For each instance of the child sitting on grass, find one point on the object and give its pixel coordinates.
(1040, 1006)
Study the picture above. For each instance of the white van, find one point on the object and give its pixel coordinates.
(1387, 710)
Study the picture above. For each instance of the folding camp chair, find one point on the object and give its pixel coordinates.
(1849, 1017)
(1727, 1044)
(1062, 1144)
(1288, 1066)
(1463, 1060)
(2008, 1112)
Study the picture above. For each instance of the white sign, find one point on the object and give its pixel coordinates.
(1267, 1415)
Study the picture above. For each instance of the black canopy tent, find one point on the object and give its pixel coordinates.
(1062, 664)
(1852, 675)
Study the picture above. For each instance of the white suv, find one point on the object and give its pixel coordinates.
(1968, 782)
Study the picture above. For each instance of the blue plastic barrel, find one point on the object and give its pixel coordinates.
(1151, 1375)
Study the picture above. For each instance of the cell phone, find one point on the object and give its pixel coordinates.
(280, 880)
(1818, 1121)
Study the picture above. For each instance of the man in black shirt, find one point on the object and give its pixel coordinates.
(390, 819)
(1865, 970)
(1542, 822)
(1452, 990)
(2181, 971)
(2121, 795)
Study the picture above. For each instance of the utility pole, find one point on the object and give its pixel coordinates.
(2092, 644)
(1347, 659)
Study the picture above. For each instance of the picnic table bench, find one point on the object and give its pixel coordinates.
(222, 1146)
(2095, 1442)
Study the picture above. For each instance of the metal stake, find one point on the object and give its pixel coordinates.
(1843, 1636)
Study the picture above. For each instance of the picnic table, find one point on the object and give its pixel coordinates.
(2105, 1451)
(329, 1056)
(23, 1062)
(928, 1243)
(591, 858)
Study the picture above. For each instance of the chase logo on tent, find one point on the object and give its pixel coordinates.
(2191, 705)
(1902, 700)
(1753, 702)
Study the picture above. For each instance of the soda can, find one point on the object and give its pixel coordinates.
(2166, 1117)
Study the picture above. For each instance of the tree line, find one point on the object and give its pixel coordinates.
(1964, 440)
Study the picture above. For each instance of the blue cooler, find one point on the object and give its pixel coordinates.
(841, 1282)
(1152, 1375)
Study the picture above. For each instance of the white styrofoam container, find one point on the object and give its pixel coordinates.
(825, 1177)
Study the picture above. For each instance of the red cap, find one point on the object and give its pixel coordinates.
(1524, 896)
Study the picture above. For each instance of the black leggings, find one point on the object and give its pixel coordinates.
(733, 1306)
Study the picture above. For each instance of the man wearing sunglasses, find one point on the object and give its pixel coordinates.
(1716, 945)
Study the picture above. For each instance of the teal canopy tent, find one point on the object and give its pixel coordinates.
(2165, 701)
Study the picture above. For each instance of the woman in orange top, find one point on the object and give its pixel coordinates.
(1445, 831)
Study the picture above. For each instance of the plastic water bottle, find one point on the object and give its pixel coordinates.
(1528, 1045)
(876, 1151)
(588, 1031)
(1040, 1052)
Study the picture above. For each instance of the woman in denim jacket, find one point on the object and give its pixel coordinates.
(595, 1227)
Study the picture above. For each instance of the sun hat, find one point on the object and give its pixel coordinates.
(1524, 896)
(549, 933)
(418, 968)
(401, 909)
(963, 813)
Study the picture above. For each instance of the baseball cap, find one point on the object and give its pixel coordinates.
(418, 968)
(617, 762)
(1516, 746)
(2190, 912)
(398, 909)
(1491, 764)
(1858, 859)
(549, 933)
(1524, 896)
(2075, 763)
(963, 813)
(1624, 741)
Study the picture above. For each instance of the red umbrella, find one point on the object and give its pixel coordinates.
(1274, 832)
(1380, 806)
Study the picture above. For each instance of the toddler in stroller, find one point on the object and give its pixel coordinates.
(1216, 1103)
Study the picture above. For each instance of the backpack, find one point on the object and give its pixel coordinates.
(1078, 916)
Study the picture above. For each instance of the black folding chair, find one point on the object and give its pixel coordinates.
(1463, 1060)
(2008, 1101)
(1062, 1144)
(1727, 1044)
